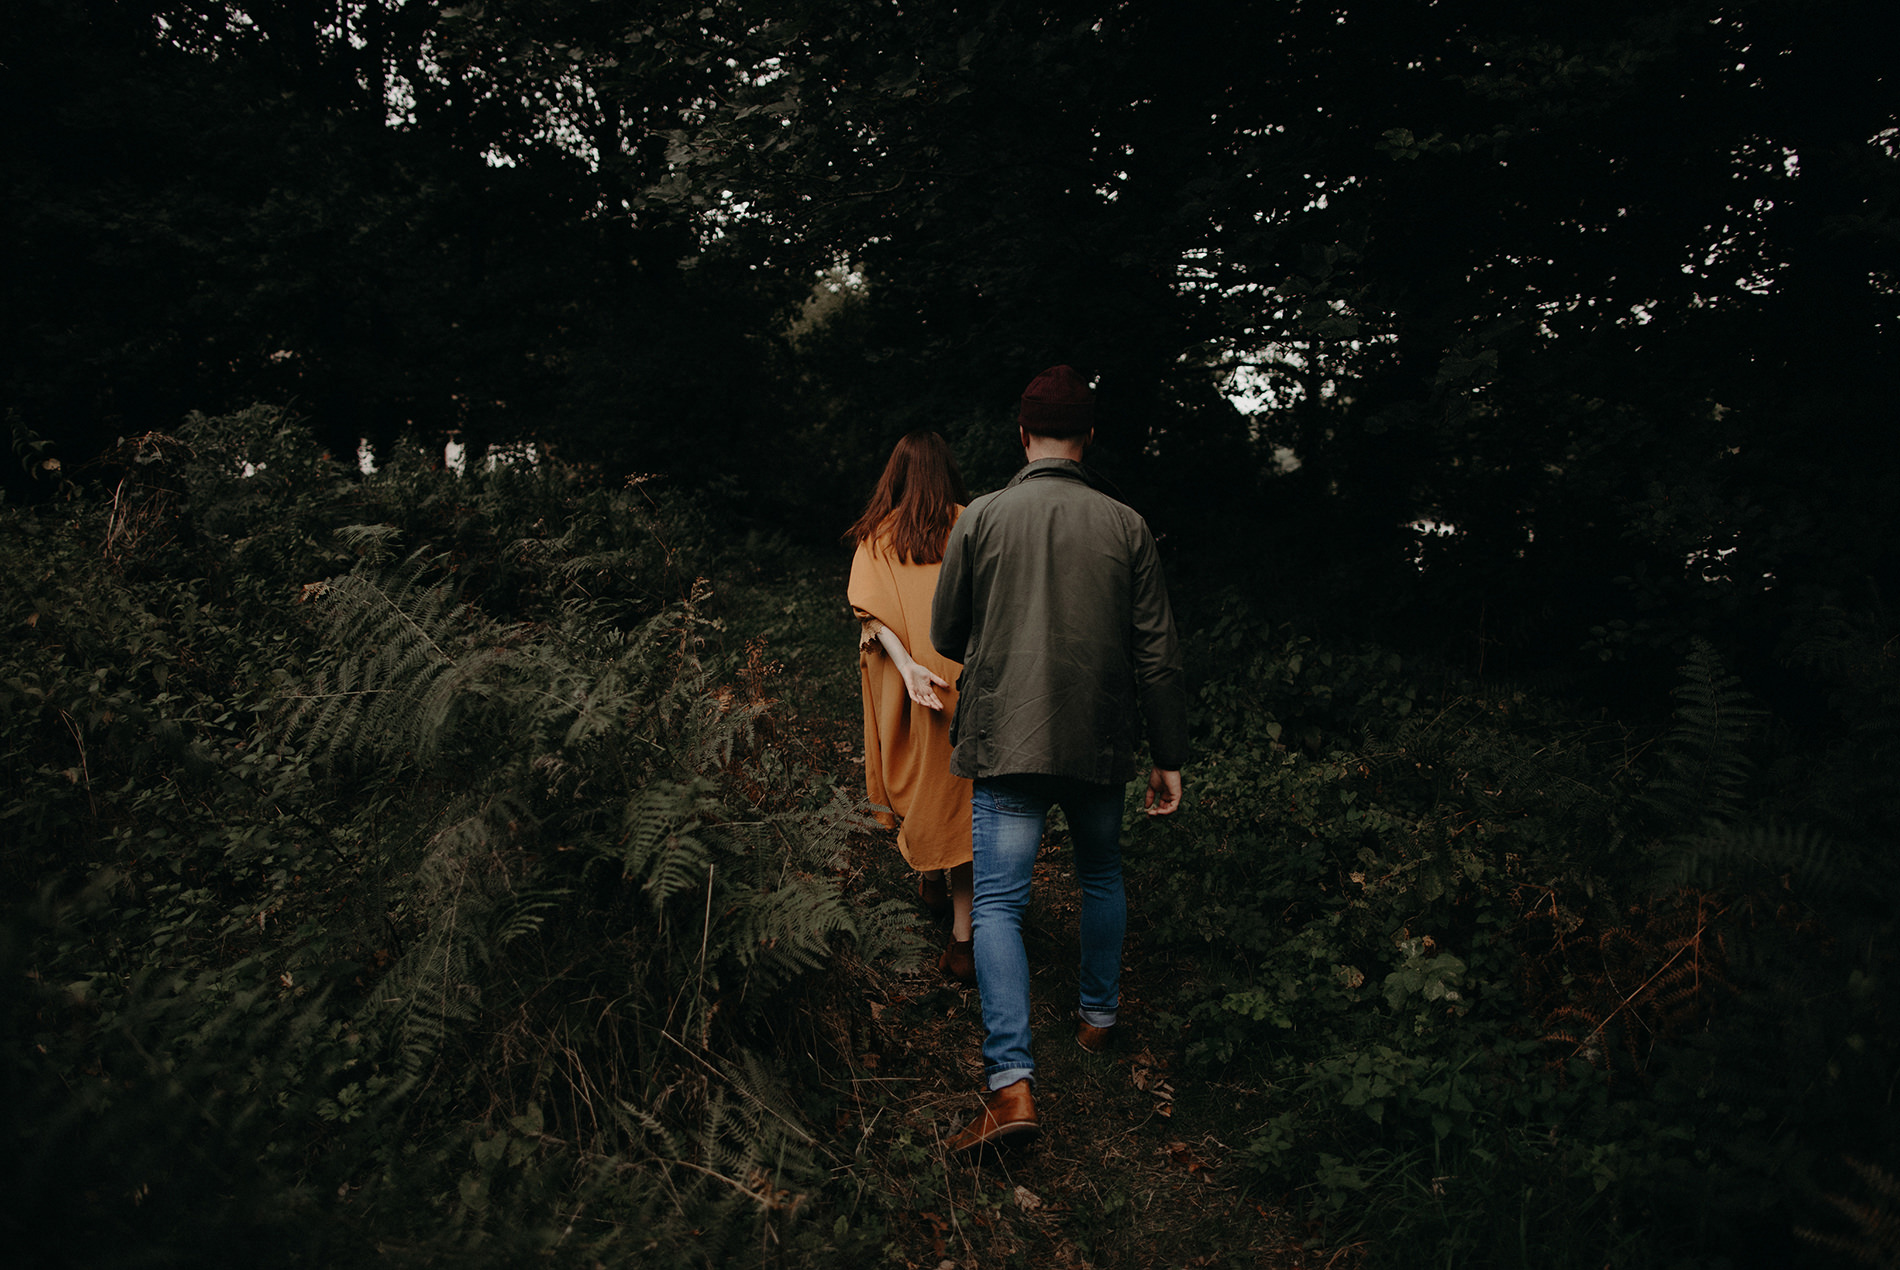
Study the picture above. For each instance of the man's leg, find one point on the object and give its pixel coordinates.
(1095, 822)
(1005, 832)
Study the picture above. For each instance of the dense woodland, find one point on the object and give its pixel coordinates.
(412, 866)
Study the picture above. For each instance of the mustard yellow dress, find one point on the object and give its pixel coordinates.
(907, 746)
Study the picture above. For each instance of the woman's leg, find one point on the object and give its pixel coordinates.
(960, 896)
(932, 890)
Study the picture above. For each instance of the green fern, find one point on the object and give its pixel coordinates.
(520, 832)
(376, 544)
(405, 656)
(661, 852)
(792, 929)
(526, 912)
(1806, 857)
(1703, 766)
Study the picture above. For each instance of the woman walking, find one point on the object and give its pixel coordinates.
(909, 697)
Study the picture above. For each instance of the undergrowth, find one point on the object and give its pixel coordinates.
(1521, 987)
(419, 874)
(410, 868)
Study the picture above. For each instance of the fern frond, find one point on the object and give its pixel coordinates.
(650, 1125)
(681, 864)
(763, 1087)
(730, 1137)
(789, 930)
(440, 994)
(405, 660)
(1703, 765)
(1877, 1241)
(888, 935)
(527, 912)
(374, 543)
(660, 850)
(1650, 976)
(1810, 859)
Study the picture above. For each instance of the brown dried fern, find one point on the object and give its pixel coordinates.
(1877, 1241)
(1638, 982)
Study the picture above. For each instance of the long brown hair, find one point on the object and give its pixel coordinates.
(915, 501)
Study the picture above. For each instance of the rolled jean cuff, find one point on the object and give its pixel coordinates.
(1004, 1077)
(1097, 1018)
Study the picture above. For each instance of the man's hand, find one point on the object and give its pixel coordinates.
(1167, 787)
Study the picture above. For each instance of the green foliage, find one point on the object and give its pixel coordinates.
(1372, 846)
(403, 891)
(1704, 769)
(413, 862)
(355, 209)
(444, 825)
(1520, 988)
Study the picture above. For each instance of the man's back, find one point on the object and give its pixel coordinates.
(1052, 592)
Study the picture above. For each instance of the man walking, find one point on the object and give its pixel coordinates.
(1051, 597)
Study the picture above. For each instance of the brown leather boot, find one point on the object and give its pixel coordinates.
(933, 892)
(1095, 1040)
(958, 961)
(1008, 1119)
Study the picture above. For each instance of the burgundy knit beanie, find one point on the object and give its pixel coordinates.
(1057, 403)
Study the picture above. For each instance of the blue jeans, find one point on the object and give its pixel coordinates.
(1007, 815)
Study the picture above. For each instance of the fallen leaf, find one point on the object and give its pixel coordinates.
(1182, 1154)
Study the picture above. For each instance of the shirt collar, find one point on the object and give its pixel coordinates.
(1067, 469)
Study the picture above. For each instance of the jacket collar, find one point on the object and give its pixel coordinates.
(1068, 470)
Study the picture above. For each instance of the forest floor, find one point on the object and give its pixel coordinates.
(1132, 1168)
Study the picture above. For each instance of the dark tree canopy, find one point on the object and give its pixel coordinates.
(320, 205)
(1550, 325)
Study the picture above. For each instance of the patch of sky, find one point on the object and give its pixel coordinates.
(515, 454)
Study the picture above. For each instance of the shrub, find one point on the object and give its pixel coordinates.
(417, 870)
(1519, 987)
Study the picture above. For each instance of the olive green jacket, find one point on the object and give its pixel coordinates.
(1051, 596)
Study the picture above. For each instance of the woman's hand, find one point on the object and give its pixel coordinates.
(919, 681)
(922, 685)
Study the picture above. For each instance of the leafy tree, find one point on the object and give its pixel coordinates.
(1563, 282)
(336, 205)
(1509, 269)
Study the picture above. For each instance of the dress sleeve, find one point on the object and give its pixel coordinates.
(871, 591)
(868, 630)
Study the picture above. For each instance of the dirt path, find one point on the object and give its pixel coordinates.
(1134, 1166)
